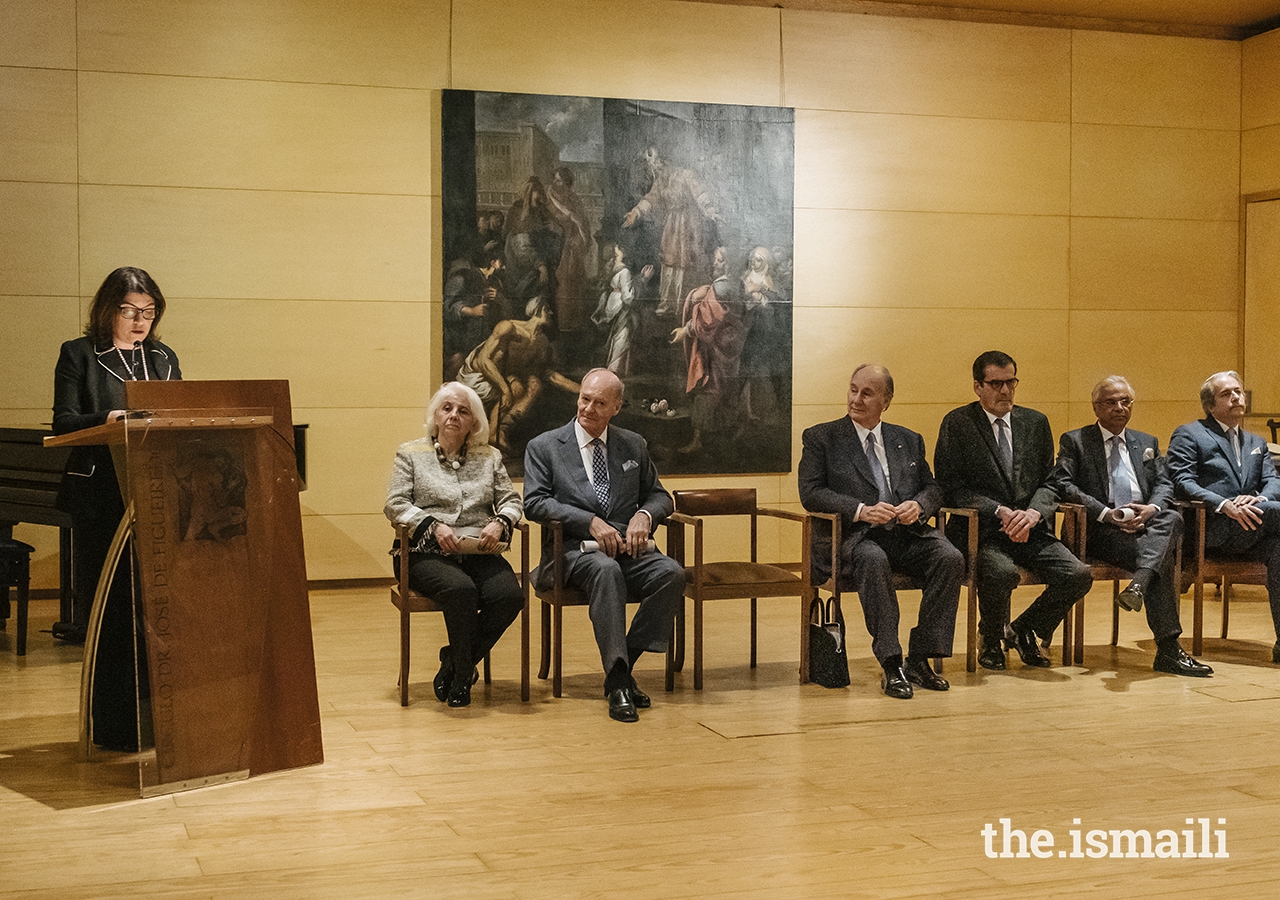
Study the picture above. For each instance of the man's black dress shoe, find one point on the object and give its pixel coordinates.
(459, 693)
(1131, 598)
(444, 678)
(919, 672)
(894, 683)
(1178, 662)
(639, 697)
(621, 707)
(1025, 643)
(991, 655)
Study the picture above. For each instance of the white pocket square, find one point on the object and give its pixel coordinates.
(1257, 451)
(629, 465)
(1149, 453)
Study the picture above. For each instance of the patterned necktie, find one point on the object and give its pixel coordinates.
(1002, 442)
(1235, 445)
(600, 472)
(882, 485)
(1121, 490)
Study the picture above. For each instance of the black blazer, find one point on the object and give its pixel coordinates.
(85, 390)
(972, 474)
(1081, 475)
(835, 477)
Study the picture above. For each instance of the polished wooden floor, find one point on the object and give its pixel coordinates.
(754, 788)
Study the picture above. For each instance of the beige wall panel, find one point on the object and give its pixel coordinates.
(926, 67)
(1140, 79)
(1159, 173)
(650, 49)
(868, 161)
(334, 354)
(34, 330)
(207, 132)
(39, 33)
(1155, 264)
(931, 356)
(37, 125)
(38, 239)
(350, 453)
(929, 260)
(398, 43)
(253, 244)
(1177, 351)
(1260, 160)
(1260, 88)
(340, 547)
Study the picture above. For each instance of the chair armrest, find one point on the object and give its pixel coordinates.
(782, 514)
(971, 552)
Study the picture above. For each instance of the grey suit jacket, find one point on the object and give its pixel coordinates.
(556, 487)
(972, 473)
(1081, 475)
(835, 477)
(1203, 466)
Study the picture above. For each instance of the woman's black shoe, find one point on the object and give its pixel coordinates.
(444, 677)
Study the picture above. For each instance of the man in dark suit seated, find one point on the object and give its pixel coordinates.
(1217, 461)
(875, 476)
(599, 481)
(1120, 478)
(996, 458)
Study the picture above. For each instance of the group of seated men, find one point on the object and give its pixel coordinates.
(991, 456)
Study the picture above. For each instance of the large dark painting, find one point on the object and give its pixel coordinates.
(651, 238)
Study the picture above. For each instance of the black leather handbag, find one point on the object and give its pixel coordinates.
(828, 663)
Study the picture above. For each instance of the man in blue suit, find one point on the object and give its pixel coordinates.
(1121, 479)
(876, 477)
(1217, 461)
(598, 480)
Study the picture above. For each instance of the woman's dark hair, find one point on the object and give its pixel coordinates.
(106, 304)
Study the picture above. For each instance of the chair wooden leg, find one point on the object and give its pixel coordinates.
(544, 664)
(805, 603)
(753, 632)
(697, 645)
(971, 632)
(1197, 617)
(488, 677)
(680, 637)
(524, 651)
(557, 650)
(1068, 633)
(1226, 604)
(671, 660)
(1115, 613)
(404, 654)
(1077, 655)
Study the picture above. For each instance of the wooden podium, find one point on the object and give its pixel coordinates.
(210, 486)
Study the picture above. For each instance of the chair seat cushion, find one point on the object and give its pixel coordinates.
(726, 573)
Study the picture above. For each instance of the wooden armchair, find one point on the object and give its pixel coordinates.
(407, 600)
(902, 582)
(554, 600)
(1197, 565)
(735, 580)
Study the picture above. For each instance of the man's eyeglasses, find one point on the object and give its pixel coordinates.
(129, 311)
(1122, 402)
(999, 384)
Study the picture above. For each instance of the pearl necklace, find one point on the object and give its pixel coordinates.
(130, 369)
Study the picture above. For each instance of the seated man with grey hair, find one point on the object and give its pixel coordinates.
(1119, 477)
(1230, 469)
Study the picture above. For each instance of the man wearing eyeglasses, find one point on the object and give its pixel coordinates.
(996, 458)
(1121, 479)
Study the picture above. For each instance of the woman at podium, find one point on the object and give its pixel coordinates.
(121, 343)
(452, 491)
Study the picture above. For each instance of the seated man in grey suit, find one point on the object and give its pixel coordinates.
(875, 476)
(598, 480)
(1217, 461)
(1120, 478)
(996, 457)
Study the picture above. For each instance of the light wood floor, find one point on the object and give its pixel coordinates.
(755, 788)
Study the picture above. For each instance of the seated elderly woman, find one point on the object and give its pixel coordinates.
(454, 494)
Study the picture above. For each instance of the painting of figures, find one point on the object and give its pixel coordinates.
(652, 238)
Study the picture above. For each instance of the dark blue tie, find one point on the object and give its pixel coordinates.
(600, 472)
